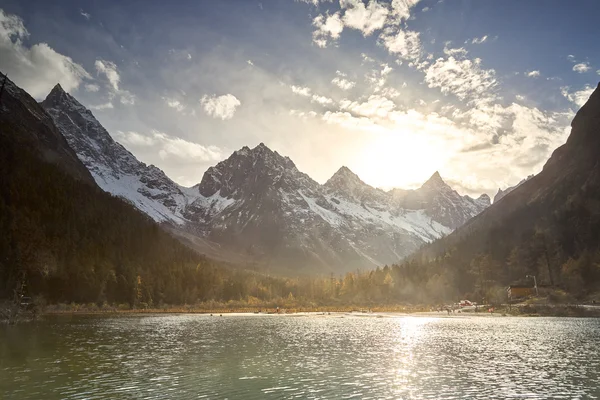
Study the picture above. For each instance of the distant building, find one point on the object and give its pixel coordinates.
(519, 291)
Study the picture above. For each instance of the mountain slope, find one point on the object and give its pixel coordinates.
(548, 226)
(501, 193)
(114, 168)
(68, 239)
(28, 125)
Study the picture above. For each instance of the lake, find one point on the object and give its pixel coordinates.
(301, 357)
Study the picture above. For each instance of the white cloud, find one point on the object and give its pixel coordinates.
(92, 87)
(313, 2)
(533, 74)
(465, 78)
(366, 19)
(104, 106)
(220, 106)
(329, 27)
(377, 78)
(405, 43)
(109, 69)
(127, 98)
(341, 81)
(579, 97)
(171, 146)
(174, 103)
(302, 91)
(375, 106)
(581, 67)
(401, 9)
(36, 68)
(480, 40)
(321, 100)
(461, 51)
(111, 72)
(425, 9)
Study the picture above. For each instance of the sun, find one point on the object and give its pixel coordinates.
(400, 158)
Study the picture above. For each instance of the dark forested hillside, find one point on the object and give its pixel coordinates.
(69, 239)
(548, 227)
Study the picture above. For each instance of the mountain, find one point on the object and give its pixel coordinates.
(114, 168)
(26, 123)
(501, 193)
(547, 227)
(68, 239)
(442, 203)
(257, 207)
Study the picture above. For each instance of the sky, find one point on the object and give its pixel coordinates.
(482, 91)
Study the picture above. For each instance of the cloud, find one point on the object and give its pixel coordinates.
(174, 103)
(341, 81)
(313, 2)
(329, 27)
(250, 62)
(579, 97)
(463, 77)
(581, 67)
(401, 9)
(302, 91)
(404, 43)
(127, 98)
(480, 40)
(375, 106)
(104, 106)
(220, 106)
(321, 100)
(366, 19)
(92, 87)
(84, 14)
(170, 146)
(378, 78)
(109, 69)
(36, 68)
(533, 74)
(111, 73)
(461, 51)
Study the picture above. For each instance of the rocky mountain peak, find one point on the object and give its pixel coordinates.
(59, 98)
(484, 199)
(434, 182)
(114, 168)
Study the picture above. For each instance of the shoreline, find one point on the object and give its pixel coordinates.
(566, 311)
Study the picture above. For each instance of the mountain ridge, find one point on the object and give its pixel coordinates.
(256, 202)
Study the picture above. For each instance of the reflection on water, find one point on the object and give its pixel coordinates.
(281, 357)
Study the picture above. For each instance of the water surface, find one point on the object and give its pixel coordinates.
(312, 357)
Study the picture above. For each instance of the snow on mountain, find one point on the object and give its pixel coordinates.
(258, 204)
(114, 168)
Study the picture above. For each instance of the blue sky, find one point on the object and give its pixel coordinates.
(481, 90)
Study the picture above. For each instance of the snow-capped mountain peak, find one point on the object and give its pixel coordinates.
(114, 168)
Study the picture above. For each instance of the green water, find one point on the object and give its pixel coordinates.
(281, 357)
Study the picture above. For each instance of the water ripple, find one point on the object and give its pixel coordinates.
(282, 357)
